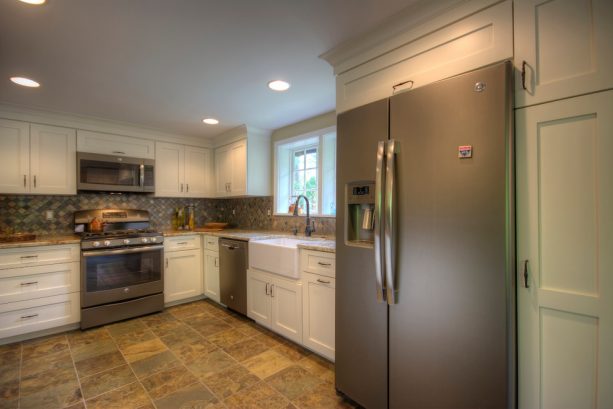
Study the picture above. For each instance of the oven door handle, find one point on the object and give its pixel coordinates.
(129, 250)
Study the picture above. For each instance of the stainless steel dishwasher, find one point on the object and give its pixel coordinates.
(233, 274)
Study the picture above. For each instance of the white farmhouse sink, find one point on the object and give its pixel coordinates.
(279, 256)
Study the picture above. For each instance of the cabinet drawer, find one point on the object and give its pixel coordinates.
(18, 284)
(33, 256)
(182, 243)
(211, 243)
(318, 262)
(34, 315)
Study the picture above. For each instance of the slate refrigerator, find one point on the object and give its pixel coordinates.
(425, 311)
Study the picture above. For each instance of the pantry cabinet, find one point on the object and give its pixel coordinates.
(37, 159)
(275, 303)
(211, 268)
(562, 49)
(182, 171)
(182, 268)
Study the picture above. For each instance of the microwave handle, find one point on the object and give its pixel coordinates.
(142, 175)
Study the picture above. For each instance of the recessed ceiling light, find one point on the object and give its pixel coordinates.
(210, 121)
(278, 85)
(37, 2)
(26, 82)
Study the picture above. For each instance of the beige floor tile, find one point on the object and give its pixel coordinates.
(93, 349)
(259, 396)
(293, 381)
(226, 338)
(154, 363)
(211, 363)
(79, 338)
(128, 339)
(292, 351)
(43, 346)
(181, 335)
(165, 328)
(125, 327)
(245, 349)
(131, 396)
(99, 363)
(229, 381)
(193, 396)
(57, 396)
(318, 366)
(189, 351)
(267, 363)
(249, 330)
(321, 397)
(52, 362)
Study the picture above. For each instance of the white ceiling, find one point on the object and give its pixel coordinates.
(166, 64)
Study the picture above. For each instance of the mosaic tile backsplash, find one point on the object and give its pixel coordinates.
(26, 213)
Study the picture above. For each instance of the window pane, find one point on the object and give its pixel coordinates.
(311, 179)
(311, 158)
(299, 160)
(298, 180)
(312, 196)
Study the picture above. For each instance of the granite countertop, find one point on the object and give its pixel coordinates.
(321, 243)
(44, 240)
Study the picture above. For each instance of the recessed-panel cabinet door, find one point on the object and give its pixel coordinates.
(197, 172)
(238, 182)
(183, 275)
(318, 314)
(211, 275)
(53, 160)
(286, 298)
(223, 171)
(169, 169)
(258, 298)
(14, 156)
(565, 253)
(564, 48)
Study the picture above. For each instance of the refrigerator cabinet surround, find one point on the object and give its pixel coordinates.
(426, 318)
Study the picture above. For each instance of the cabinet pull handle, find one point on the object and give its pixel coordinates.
(23, 317)
(322, 281)
(526, 284)
(324, 264)
(166, 263)
(523, 74)
(181, 187)
(119, 152)
(24, 180)
(181, 243)
(34, 180)
(28, 257)
(216, 262)
(410, 82)
(187, 187)
(271, 292)
(29, 283)
(267, 292)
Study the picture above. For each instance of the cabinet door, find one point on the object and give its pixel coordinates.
(53, 167)
(183, 275)
(564, 232)
(211, 275)
(109, 144)
(318, 314)
(287, 308)
(197, 172)
(258, 298)
(14, 156)
(238, 169)
(169, 169)
(566, 47)
(223, 169)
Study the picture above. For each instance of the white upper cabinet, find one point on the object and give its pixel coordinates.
(242, 168)
(14, 156)
(455, 38)
(109, 144)
(37, 159)
(563, 47)
(182, 171)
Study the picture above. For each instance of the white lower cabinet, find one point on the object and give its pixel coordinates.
(318, 314)
(39, 288)
(211, 268)
(182, 272)
(275, 303)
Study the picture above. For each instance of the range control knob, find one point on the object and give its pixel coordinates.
(107, 243)
(145, 240)
(126, 241)
(96, 244)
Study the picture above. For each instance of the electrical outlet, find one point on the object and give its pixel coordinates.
(49, 215)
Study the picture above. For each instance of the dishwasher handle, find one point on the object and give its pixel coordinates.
(229, 246)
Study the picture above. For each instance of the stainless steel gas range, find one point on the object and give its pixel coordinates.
(122, 267)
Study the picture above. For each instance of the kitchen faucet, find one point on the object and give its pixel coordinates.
(309, 229)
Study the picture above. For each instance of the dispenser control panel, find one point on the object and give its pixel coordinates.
(360, 192)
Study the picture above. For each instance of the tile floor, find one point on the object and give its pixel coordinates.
(195, 355)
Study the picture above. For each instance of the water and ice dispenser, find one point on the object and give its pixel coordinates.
(360, 222)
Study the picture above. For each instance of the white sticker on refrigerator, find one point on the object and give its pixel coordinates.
(465, 151)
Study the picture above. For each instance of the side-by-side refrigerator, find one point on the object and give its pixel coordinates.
(425, 310)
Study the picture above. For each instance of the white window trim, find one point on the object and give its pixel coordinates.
(317, 133)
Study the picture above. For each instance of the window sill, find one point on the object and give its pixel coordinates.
(322, 216)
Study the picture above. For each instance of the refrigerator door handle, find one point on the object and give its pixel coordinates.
(379, 203)
(390, 221)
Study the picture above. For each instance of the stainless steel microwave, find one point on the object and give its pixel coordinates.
(110, 173)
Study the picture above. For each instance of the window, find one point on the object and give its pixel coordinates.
(306, 165)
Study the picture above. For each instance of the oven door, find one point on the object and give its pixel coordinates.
(119, 274)
(114, 173)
